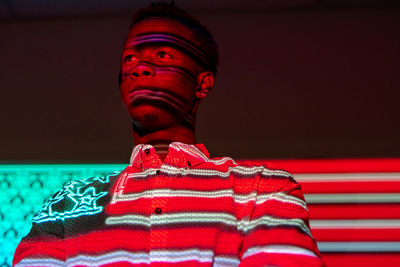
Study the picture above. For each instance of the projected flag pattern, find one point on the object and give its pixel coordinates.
(354, 208)
(356, 223)
(190, 210)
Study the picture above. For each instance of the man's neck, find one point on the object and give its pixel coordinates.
(161, 139)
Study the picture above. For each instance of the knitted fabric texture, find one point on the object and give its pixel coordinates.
(190, 210)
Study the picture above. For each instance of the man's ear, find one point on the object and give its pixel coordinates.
(205, 81)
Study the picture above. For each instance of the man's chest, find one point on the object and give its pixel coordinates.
(193, 211)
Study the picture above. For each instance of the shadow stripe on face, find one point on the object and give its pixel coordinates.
(162, 38)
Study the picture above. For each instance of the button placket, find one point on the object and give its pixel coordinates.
(157, 202)
(158, 237)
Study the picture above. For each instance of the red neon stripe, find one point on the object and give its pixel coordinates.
(136, 240)
(333, 165)
(355, 211)
(356, 234)
(359, 259)
(351, 187)
(40, 248)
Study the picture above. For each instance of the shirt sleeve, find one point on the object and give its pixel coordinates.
(43, 246)
(277, 232)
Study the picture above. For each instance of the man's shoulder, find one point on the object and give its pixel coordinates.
(263, 168)
(266, 168)
(76, 197)
(268, 175)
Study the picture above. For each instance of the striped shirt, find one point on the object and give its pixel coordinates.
(189, 210)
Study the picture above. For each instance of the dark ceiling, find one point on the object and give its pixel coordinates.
(28, 9)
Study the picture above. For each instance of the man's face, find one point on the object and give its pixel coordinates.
(159, 80)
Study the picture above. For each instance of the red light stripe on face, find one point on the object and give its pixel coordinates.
(178, 70)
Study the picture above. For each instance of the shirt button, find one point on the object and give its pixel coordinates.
(147, 151)
(158, 210)
(189, 164)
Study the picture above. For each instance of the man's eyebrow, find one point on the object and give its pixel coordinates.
(138, 47)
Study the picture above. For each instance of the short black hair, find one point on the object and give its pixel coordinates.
(201, 32)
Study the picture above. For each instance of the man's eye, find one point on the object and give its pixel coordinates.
(163, 55)
(130, 59)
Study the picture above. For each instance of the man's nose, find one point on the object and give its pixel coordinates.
(143, 70)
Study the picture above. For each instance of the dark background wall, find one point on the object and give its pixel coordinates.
(297, 79)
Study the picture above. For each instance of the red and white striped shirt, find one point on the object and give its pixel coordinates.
(190, 210)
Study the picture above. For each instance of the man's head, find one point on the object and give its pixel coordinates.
(168, 65)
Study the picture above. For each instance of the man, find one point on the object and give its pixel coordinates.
(173, 205)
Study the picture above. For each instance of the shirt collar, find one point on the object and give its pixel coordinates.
(180, 155)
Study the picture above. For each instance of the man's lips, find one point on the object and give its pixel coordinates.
(151, 93)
